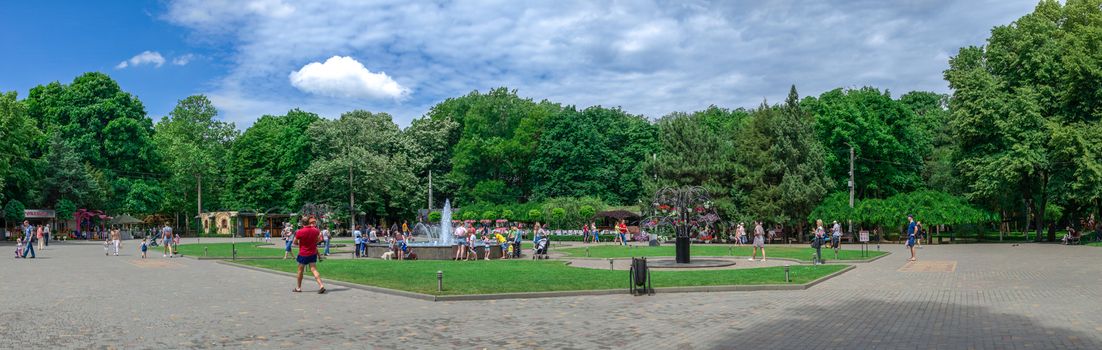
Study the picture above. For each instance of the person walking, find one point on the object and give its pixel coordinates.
(307, 238)
(595, 231)
(622, 229)
(325, 236)
(166, 239)
(836, 238)
(818, 243)
(115, 238)
(28, 238)
(740, 235)
(911, 228)
(759, 241)
(46, 234)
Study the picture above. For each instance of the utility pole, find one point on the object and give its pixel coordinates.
(851, 185)
(351, 202)
(199, 203)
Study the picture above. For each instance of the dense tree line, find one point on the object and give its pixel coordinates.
(1018, 140)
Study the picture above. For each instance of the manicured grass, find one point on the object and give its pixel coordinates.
(512, 276)
(803, 254)
(245, 249)
(1095, 244)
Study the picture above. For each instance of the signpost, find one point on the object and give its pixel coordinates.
(863, 237)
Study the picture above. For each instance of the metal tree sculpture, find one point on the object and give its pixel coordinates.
(320, 211)
(683, 208)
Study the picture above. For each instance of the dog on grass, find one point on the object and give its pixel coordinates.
(389, 255)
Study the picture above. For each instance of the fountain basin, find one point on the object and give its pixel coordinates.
(429, 251)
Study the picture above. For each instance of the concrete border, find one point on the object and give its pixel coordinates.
(797, 261)
(557, 294)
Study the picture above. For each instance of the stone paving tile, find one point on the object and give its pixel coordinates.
(999, 297)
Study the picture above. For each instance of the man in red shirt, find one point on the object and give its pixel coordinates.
(307, 238)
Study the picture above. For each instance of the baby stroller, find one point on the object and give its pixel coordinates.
(540, 249)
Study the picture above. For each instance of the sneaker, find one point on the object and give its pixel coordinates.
(750, 259)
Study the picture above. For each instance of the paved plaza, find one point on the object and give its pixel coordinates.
(979, 296)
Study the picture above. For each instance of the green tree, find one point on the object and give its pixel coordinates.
(785, 175)
(18, 132)
(196, 147)
(1035, 79)
(266, 160)
(107, 126)
(430, 142)
(13, 212)
(68, 179)
(594, 152)
(698, 150)
(888, 140)
(369, 148)
(535, 215)
(498, 133)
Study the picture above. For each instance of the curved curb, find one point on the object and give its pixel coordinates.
(557, 294)
(797, 261)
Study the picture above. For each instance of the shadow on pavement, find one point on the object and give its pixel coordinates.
(865, 324)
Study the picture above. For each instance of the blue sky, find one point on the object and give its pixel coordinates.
(649, 57)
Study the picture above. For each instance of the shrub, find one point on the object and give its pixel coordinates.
(489, 215)
(506, 214)
(434, 216)
(535, 215)
(558, 215)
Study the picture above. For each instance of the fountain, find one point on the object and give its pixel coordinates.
(430, 242)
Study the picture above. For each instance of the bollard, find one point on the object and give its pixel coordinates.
(587, 252)
(787, 279)
(610, 264)
(731, 251)
(204, 251)
(439, 281)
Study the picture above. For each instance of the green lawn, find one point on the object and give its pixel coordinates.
(510, 276)
(803, 254)
(245, 249)
(1095, 244)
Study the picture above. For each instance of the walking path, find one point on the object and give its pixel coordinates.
(992, 296)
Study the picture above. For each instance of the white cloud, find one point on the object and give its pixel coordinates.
(146, 57)
(345, 77)
(183, 60)
(650, 57)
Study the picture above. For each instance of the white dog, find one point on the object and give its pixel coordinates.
(389, 255)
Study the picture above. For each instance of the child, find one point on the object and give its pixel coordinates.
(145, 245)
(19, 248)
(504, 245)
(486, 242)
(106, 246)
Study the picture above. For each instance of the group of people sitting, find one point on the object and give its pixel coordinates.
(1088, 224)
(468, 239)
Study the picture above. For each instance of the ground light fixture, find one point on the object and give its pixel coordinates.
(439, 281)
